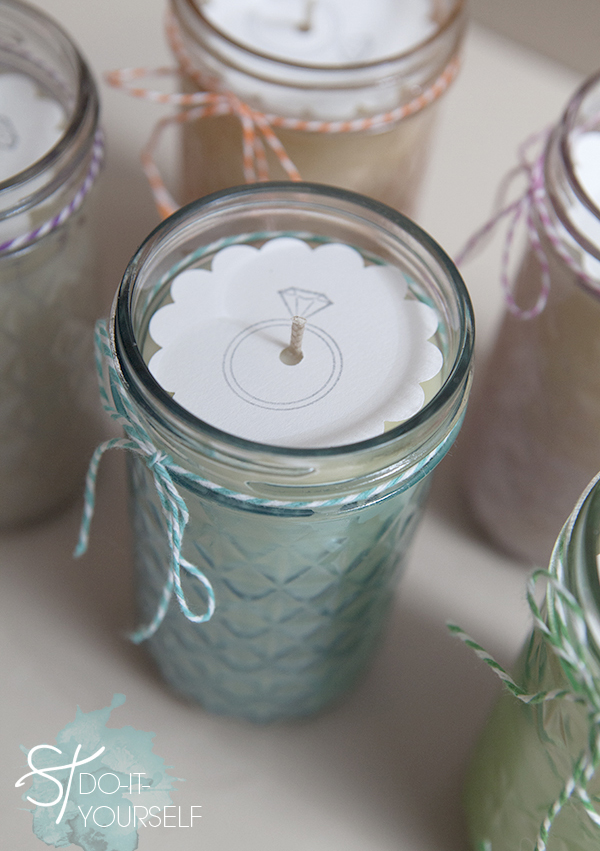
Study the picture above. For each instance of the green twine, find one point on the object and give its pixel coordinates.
(565, 631)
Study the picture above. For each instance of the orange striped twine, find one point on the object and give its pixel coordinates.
(255, 124)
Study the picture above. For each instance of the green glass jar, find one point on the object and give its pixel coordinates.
(301, 546)
(532, 782)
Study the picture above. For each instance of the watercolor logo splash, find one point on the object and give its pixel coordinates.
(98, 785)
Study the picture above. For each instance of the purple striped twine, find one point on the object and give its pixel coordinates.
(534, 200)
(70, 208)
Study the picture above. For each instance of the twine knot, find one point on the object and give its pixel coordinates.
(158, 459)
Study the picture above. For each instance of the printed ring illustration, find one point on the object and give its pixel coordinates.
(248, 347)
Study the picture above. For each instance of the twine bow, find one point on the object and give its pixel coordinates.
(533, 202)
(565, 631)
(257, 127)
(116, 403)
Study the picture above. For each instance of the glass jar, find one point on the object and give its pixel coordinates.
(518, 785)
(301, 546)
(534, 432)
(48, 268)
(383, 158)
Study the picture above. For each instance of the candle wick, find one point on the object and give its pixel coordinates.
(305, 25)
(293, 354)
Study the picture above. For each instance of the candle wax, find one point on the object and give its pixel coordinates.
(366, 346)
(324, 32)
(31, 123)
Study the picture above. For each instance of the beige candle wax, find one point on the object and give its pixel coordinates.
(350, 92)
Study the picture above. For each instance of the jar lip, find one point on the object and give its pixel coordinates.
(124, 335)
(388, 61)
(86, 104)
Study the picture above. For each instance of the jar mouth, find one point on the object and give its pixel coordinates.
(75, 90)
(356, 209)
(454, 13)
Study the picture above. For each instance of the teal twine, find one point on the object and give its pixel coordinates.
(173, 506)
(565, 631)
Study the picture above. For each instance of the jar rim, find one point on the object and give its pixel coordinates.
(130, 358)
(458, 7)
(85, 111)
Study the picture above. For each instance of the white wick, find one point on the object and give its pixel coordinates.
(305, 25)
(293, 354)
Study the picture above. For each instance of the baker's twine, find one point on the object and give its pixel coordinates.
(532, 202)
(257, 127)
(116, 403)
(67, 211)
(565, 632)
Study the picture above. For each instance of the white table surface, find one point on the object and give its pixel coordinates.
(383, 770)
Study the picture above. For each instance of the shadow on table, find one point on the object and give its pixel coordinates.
(391, 758)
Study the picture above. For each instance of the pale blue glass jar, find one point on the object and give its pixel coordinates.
(302, 547)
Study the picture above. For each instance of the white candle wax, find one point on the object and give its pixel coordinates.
(31, 123)
(323, 32)
(366, 345)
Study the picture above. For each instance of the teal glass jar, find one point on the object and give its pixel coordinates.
(301, 546)
(532, 783)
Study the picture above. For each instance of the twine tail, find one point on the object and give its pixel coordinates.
(489, 660)
(89, 497)
(116, 403)
(570, 788)
(278, 149)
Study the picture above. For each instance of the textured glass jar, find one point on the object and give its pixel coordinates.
(527, 753)
(385, 161)
(302, 587)
(48, 270)
(534, 434)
